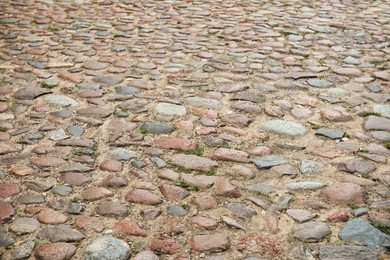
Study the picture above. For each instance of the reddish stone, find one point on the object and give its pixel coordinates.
(6, 212)
(203, 222)
(88, 223)
(4, 136)
(8, 190)
(176, 143)
(173, 192)
(338, 217)
(240, 170)
(223, 187)
(55, 251)
(73, 77)
(260, 151)
(50, 216)
(111, 166)
(96, 193)
(205, 202)
(260, 245)
(48, 162)
(22, 170)
(173, 225)
(336, 114)
(214, 242)
(345, 193)
(165, 245)
(143, 197)
(115, 181)
(272, 220)
(3, 107)
(130, 228)
(230, 155)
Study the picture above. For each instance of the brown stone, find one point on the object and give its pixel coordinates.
(230, 155)
(260, 151)
(336, 114)
(131, 228)
(214, 242)
(115, 181)
(73, 77)
(203, 222)
(22, 170)
(89, 223)
(340, 216)
(55, 251)
(144, 197)
(111, 166)
(205, 202)
(176, 143)
(173, 192)
(8, 190)
(165, 245)
(48, 162)
(6, 212)
(96, 193)
(223, 187)
(345, 193)
(112, 209)
(50, 216)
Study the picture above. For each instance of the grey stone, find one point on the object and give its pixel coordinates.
(146, 255)
(383, 110)
(241, 210)
(319, 83)
(5, 239)
(157, 128)
(61, 100)
(381, 136)
(24, 250)
(30, 93)
(138, 164)
(193, 162)
(305, 185)
(267, 162)
(323, 29)
(313, 231)
(359, 232)
(351, 60)
(283, 127)
(311, 167)
(107, 248)
(330, 252)
(60, 233)
(57, 135)
(31, 199)
(204, 102)
(21, 226)
(126, 90)
(176, 210)
(62, 190)
(108, 80)
(377, 123)
(232, 223)
(122, 154)
(330, 133)
(374, 88)
(75, 130)
(159, 162)
(261, 188)
(360, 212)
(249, 96)
(170, 109)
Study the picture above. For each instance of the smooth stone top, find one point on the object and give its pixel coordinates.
(283, 127)
(359, 232)
(305, 185)
(170, 109)
(267, 162)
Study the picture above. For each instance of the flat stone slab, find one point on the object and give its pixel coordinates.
(305, 185)
(359, 232)
(170, 109)
(330, 252)
(282, 127)
(269, 161)
(193, 162)
(204, 102)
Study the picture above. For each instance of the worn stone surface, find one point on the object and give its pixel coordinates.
(160, 121)
(107, 247)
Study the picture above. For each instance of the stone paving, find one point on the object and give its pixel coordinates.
(188, 129)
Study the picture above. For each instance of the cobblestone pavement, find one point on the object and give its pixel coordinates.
(194, 129)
